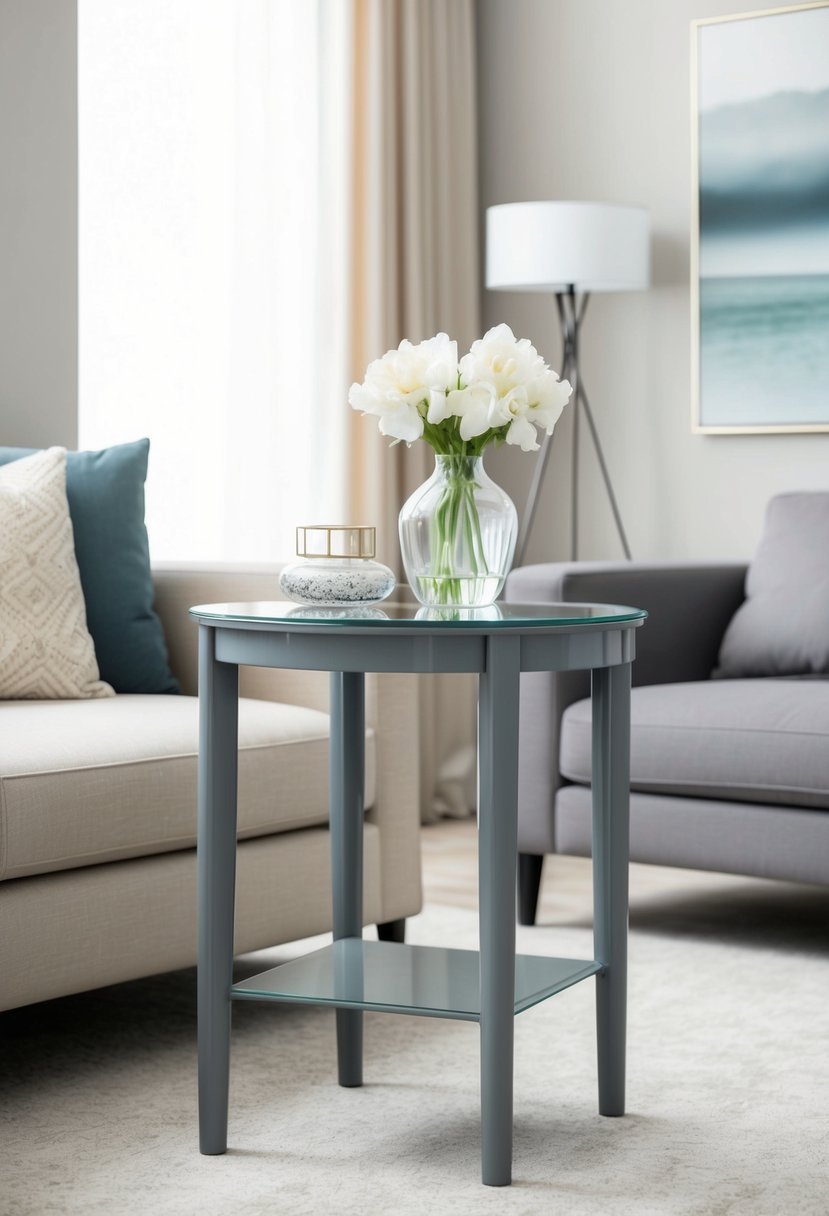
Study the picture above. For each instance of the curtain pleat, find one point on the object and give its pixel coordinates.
(415, 272)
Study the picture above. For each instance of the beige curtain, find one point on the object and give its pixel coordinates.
(415, 272)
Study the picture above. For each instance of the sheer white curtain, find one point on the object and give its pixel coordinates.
(213, 249)
(272, 193)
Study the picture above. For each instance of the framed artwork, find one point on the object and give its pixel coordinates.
(760, 221)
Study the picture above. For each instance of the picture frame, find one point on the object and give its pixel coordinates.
(760, 221)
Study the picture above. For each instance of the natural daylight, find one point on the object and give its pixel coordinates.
(764, 220)
(414, 727)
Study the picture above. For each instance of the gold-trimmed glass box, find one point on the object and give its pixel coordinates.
(336, 567)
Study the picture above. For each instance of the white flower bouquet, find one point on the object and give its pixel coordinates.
(502, 391)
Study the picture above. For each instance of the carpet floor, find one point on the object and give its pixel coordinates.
(727, 1095)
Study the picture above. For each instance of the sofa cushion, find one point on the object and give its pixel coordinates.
(755, 740)
(782, 628)
(106, 503)
(83, 782)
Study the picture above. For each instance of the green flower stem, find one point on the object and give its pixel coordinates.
(477, 545)
(456, 525)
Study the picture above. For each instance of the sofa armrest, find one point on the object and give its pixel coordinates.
(689, 606)
(179, 587)
(391, 711)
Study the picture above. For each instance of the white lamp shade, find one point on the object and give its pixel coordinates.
(550, 246)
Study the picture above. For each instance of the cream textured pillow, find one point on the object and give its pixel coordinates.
(46, 651)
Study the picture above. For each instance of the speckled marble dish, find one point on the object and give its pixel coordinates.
(335, 582)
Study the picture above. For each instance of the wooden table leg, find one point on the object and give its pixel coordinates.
(218, 764)
(611, 846)
(497, 860)
(346, 784)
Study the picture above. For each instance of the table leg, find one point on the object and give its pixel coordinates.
(218, 762)
(497, 860)
(611, 836)
(346, 783)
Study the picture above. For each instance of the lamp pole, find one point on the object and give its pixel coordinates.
(571, 310)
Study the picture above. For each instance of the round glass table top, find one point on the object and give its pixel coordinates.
(391, 615)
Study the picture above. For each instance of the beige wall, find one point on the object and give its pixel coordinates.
(38, 222)
(589, 99)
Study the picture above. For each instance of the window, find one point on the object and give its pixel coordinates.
(212, 232)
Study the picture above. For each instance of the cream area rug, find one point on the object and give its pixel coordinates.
(728, 1093)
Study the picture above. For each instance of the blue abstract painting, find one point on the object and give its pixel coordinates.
(762, 298)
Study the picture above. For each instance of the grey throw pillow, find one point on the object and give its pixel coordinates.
(782, 628)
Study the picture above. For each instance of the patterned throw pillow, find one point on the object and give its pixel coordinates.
(46, 651)
(106, 505)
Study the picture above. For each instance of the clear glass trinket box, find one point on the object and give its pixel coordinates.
(336, 567)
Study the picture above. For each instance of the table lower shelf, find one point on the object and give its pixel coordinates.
(391, 978)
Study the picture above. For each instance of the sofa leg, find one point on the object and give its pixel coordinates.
(392, 931)
(529, 884)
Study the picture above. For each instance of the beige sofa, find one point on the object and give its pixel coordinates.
(98, 814)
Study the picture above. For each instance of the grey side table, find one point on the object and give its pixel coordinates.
(355, 975)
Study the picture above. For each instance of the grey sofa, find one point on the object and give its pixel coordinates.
(726, 774)
(98, 814)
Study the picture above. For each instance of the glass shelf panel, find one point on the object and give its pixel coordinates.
(395, 615)
(391, 978)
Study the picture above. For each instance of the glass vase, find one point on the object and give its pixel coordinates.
(457, 535)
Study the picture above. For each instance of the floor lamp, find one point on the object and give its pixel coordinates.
(570, 250)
